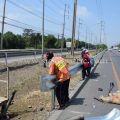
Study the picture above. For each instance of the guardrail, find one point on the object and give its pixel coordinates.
(47, 84)
(14, 53)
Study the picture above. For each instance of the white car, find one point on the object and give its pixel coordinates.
(119, 50)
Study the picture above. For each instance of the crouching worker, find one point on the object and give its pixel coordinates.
(59, 67)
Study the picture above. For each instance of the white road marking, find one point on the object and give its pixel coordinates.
(77, 112)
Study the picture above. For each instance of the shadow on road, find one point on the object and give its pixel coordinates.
(77, 101)
(86, 80)
(94, 75)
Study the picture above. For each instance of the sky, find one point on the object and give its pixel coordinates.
(99, 19)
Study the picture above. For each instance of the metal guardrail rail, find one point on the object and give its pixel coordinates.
(14, 53)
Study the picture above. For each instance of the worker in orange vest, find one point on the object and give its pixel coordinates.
(59, 67)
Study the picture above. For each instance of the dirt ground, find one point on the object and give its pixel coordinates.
(29, 102)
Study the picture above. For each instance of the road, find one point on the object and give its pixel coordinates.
(83, 104)
(19, 58)
(27, 57)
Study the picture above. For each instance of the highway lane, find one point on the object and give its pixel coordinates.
(19, 58)
(116, 68)
(115, 57)
(83, 103)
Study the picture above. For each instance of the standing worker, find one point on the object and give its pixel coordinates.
(59, 67)
(86, 67)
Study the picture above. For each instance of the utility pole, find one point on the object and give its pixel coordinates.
(91, 39)
(43, 27)
(88, 41)
(3, 22)
(86, 38)
(78, 32)
(58, 40)
(101, 28)
(73, 27)
(62, 41)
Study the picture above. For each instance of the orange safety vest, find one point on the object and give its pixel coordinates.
(59, 67)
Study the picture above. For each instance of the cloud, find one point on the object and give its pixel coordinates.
(83, 12)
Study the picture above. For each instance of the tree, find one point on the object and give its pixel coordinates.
(12, 41)
(35, 40)
(27, 32)
(101, 46)
(27, 35)
(32, 39)
(50, 41)
(9, 41)
(20, 42)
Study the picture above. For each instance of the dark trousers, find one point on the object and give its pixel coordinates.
(62, 92)
(86, 72)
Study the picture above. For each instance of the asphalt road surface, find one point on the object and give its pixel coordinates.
(83, 104)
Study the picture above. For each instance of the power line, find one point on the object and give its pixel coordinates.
(25, 9)
(29, 11)
(19, 26)
(58, 5)
(99, 8)
(54, 11)
(49, 32)
(34, 14)
(21, 22)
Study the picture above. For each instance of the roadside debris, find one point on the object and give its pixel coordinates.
(111, 98)
(111, 87)
(100, 89)
(98, 99)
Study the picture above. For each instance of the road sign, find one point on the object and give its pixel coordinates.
(68, 44)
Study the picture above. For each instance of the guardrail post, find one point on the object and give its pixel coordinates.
(35, 55)
(7, 82)
(52, 99)
(6, 58)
